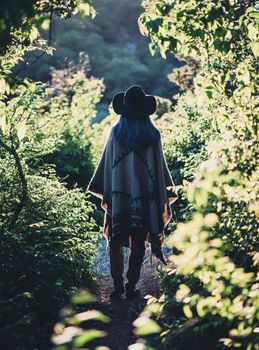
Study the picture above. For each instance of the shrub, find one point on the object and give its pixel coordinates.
(48, 233)
(211, 298)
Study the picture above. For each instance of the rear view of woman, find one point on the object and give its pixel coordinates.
(135, 186)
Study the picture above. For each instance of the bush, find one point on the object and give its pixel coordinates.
(208, 300)
(49, 237)
(211, 294)
(72, 95)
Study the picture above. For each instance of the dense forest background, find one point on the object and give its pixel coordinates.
(116, 50)
(55, 116)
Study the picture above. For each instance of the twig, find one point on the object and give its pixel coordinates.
(28, 64)
(24, 185)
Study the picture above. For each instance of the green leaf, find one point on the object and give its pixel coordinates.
(45, 24)
(255, 48)
(84, 9)
(88, 336)
(83, 298)
(254, 14)
(145, 326)
(187, 311)
(33, 34)
(209, 94)
(21, 130)
(252, 32)
(92, 315)
(2, 85)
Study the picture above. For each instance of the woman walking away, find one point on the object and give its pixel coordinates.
(135, 186)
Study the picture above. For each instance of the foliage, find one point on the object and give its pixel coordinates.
(117, 51)
(217, 118)
(49, 237)
(75, 330)
(44, 226)
(211, 295)
(184, 76)
(20, 25)
(208, 300)
(30, 15)
(73, 92)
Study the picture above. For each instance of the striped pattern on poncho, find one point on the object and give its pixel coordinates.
(136, 191)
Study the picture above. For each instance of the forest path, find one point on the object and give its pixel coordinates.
(123, 313)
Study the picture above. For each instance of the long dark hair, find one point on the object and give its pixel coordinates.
(136, 133)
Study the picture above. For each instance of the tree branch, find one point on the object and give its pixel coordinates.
(24, 186)
(28, 64)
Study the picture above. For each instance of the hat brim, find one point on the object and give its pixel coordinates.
(119, 108)
(150, 104)
(117, 102)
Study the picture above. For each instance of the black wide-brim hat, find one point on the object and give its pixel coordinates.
(134, 103)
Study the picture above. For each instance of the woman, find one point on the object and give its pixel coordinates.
(136, 188)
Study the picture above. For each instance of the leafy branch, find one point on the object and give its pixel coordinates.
(24, 186)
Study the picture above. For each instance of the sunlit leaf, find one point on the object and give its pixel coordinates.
(187, 311)
(33, 34)
(92, 315)
(88, 336)
(83, 298)
(146, 326)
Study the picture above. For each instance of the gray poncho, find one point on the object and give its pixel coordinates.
(136, 190)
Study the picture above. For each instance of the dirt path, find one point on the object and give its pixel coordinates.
(124, 312)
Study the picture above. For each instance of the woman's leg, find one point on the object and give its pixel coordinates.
(117, 265)
(135, 260)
